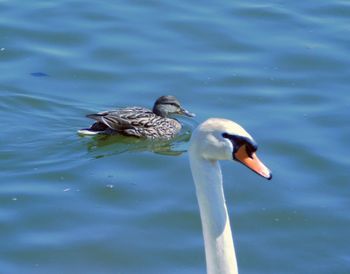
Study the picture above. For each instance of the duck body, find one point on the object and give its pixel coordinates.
(139, 121)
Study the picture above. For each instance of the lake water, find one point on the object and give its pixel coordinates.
(70, 204)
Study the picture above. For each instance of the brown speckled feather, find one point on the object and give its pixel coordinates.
(135, 121)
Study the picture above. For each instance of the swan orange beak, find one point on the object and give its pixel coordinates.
(252, 162)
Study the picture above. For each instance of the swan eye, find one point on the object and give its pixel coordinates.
(238, 141)
(226, 135)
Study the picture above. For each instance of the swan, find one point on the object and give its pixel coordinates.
(213, 140)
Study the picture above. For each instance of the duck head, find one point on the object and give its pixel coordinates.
(168, 105)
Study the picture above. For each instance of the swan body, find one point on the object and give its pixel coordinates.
(139, 121)
(213, 140)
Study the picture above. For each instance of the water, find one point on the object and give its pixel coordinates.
(80, 205)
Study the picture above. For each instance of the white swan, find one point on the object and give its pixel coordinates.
(213, 140)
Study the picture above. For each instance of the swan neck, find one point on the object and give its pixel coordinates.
(218, 242)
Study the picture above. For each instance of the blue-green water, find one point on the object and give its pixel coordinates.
(80, 205)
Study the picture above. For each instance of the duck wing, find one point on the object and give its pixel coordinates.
(135, 121)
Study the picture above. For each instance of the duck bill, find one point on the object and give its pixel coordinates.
(186, 112)
(252, 162)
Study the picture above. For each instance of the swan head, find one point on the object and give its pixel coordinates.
(222, 139)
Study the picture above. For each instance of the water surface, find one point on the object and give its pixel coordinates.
(79, 205)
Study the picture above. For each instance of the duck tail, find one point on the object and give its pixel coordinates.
(95, 116)
(87, 132)
(96, 128)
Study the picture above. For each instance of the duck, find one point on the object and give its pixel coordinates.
(140, 122)
(214, 140)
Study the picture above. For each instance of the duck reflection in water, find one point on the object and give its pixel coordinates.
(107, 145)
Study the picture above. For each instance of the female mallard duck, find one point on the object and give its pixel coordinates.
(139, 121)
